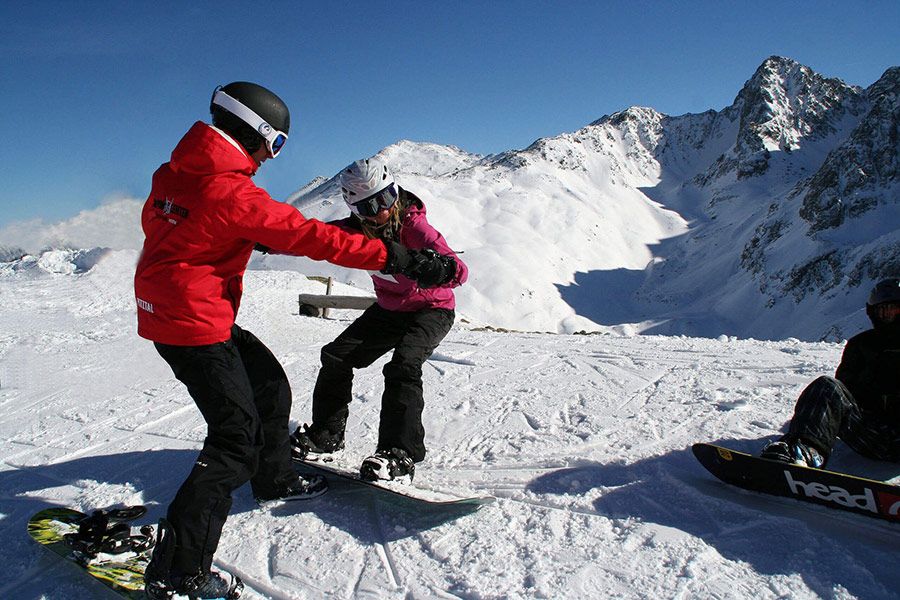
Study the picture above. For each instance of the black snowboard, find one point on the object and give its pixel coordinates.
(836, 490)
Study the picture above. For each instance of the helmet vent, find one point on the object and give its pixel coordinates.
(364, 178)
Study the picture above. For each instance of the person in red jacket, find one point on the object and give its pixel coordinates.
(201, 222)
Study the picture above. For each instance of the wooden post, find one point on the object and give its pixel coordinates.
(327, 293)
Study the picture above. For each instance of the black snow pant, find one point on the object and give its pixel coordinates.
(413, 336)
(245, 398)
(826, 410)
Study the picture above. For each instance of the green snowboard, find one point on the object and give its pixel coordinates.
(123, 574)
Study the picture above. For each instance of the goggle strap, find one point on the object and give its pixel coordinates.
(248, 116)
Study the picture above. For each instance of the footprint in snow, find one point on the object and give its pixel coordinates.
(739, 404)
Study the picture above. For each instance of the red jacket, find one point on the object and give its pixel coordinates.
(201, 221)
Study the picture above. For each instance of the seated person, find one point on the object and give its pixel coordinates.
(861, 403)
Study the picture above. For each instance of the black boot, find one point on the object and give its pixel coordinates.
(156, 575)
(303, 487)
(313, 443)
(388, 465)
(215, 584)
(794, 452)
(160, 583)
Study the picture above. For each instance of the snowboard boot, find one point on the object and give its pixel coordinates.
(313, 443)
(156, 575)
(793, 452)
(388, 465)
(160, 583)
(215, 584)
(303, 487)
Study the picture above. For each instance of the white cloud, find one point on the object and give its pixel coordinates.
(114, 224)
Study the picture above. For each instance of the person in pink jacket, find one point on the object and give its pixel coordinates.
(409, 317)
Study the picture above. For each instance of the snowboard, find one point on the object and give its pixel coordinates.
(122, 573)
(395, 489)
(828, 488)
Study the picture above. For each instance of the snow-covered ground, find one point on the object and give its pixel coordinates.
(584, 440)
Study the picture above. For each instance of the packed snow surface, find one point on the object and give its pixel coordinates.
(583, 439)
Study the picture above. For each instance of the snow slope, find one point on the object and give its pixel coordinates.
(525, 233)
(584, 440)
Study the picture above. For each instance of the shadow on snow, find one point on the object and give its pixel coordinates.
(826, 547)
(363, 512)
(610, 298)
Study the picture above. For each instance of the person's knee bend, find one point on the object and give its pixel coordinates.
(240, 436)
(403, 372)
(332, 360)
(825, 383)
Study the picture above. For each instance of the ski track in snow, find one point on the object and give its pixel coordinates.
(584, 440)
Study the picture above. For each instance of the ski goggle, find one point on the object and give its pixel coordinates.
(274, 139)
(383, 199)
(886, 312)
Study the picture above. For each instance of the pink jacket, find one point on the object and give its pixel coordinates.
(399, 293)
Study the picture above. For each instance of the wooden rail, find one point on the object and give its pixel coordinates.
(317, 305)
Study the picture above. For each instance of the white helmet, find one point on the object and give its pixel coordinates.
(368, 186)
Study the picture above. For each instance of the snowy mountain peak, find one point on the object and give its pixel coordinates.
(724, 221)
(634, 116)
(639, 125)
(406, 159)
(306, 189)
(887, 85)
(784, 106)
(425, 158)
(863, 172)
(624, 142)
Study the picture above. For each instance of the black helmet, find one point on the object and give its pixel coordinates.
(241, 104)
(886, 291)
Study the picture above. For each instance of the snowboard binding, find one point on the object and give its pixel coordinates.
(108, 531)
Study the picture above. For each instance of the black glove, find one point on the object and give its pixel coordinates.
(399, 258)
(427, 267)
(431, 269)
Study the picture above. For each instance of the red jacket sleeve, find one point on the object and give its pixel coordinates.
(282, 228)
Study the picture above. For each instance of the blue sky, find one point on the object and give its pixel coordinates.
(101, 91)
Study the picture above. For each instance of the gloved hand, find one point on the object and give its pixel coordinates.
(427, 267)
(431, 269)
(398, 258)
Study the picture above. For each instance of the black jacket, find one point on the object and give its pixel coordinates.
(870, 368)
